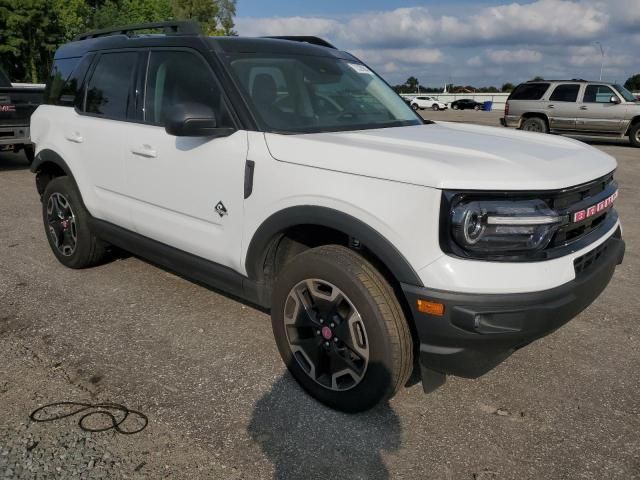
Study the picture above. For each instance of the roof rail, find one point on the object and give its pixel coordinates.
(168, 28)
(306, 39)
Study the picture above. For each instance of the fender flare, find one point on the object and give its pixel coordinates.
(49, 156)
(330, 218)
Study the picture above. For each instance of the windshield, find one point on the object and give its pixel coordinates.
(626, 94)
(308, 94)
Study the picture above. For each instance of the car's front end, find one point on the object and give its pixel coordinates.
(518, 266)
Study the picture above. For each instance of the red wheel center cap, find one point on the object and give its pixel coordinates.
(326, 333)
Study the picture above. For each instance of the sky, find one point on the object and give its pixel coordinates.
(465, 42)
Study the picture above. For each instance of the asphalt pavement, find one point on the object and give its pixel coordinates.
(204, 369)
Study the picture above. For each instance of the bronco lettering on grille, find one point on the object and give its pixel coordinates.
(581, 215)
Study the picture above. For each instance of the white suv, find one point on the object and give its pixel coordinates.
(287, 173)
(420, 103)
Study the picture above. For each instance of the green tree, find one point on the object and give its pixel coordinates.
(507, 87)
(113, 13)
(633, 83)
(29, 35)
(537, 78)
(216, 17)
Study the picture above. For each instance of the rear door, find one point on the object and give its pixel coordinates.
(597, 113)
(562, 106)
(186, 192)
(95, 135)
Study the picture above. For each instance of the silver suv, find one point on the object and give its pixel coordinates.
(577, 107)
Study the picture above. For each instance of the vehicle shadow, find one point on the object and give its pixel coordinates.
(13, 161)
(304, 439)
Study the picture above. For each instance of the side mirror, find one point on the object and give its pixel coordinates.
(614, 99)
(192, 120)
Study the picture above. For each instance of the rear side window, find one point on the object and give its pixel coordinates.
(565, 93)
(65, 82)
(176, 77)
(598, 94)
(108, 91)
(529, 91)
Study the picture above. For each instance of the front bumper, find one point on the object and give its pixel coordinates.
(19, 135)
(479, 331)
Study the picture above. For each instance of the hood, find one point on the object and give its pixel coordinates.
(449, 156)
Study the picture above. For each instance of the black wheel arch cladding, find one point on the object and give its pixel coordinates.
(290, 217)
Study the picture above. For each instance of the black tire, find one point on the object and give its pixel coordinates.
(88, 250)
(29, 152)
(634, 134)
(415, 107)
(535, 124)
(455, 107)
(435, 107)
(476, 107)
(387, 336)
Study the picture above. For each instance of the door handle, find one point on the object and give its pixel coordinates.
(551, 106)
(584, 107)
(74, 137)
(144, 151)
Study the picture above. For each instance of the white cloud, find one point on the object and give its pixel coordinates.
(402, 55)
(514, 56)
(475, 61)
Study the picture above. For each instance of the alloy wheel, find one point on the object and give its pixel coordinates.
(62, 224)
(326, 334)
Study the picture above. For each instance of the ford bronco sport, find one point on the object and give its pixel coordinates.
(287, 173)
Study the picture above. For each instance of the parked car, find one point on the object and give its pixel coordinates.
(574, 106)
(422, 102)
(369, 235)
(466, 104)
(17, 103)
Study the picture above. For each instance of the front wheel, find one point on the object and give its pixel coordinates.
(476, 107)
(340, 329)
(455, 107)
(634, 135)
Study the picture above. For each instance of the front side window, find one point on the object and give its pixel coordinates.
(306, 94)
(565, 93)
(598, 94)
(179, 77)
(108, 91)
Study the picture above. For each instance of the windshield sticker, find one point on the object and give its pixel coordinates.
(360, 68)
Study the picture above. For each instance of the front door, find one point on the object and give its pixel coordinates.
(186, 192)
(597, 113)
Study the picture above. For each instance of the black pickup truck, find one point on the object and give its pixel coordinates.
(17, 103)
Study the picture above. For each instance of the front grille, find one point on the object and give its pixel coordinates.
(578, 198)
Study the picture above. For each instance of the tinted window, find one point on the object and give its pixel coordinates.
(529, 91)
(598, 94)
(180, 77)
(65, 81)
(109, 88)
(565, 93)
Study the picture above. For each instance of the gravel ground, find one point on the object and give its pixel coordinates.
(204, 369)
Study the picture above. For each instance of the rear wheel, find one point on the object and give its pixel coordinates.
(340, 329)
(476, 107)
(66, 223)
(634, 134)
(535, 124)
(415, 107)
(455, 107)
(435, 107)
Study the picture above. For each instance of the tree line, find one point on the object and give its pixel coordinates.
(32, 30)
(412, 85)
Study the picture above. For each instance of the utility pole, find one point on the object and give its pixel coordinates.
(602, 61)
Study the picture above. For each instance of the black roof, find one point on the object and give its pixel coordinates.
(187, 34)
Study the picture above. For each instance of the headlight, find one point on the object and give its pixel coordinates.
(485, 228)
